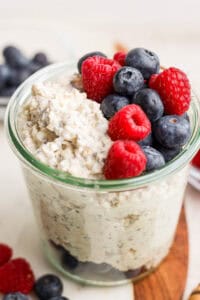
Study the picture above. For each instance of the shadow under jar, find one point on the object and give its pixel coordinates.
(102, 232)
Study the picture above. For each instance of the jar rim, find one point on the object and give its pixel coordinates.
(62, 177)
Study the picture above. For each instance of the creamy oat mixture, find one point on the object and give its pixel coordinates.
(65, 130)
(127, 230)
(124, 229)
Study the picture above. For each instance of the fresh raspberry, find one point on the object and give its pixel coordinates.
(125, 159)
(129, 123)
(97, 76)
(196, 160)
(5, 254)
(152, 81)
(120, 57)
(16, 276)
(174, 89)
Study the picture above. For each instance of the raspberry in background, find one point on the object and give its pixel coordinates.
(97, 76)
(16, 276)
(5, 254)
(129, 123)
(196, 160)
(174, 89)
(120, 57)
(125, 160)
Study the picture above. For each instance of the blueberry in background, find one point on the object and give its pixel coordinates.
(150, 102)
(33, 67)
(40, 59)
(148, 141)
(14, 57)
(127, 81)
(4, 75)
(12, 79)
(155, 159)
(168, 154)
(18, 68)
(113, 103)
(15, 296)
(17, 77)
(48, 286)
(22, 75)
(90, 54)
(144, 60)
(172, 131)
(7, 91)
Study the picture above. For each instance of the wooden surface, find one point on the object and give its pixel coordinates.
(168, 281)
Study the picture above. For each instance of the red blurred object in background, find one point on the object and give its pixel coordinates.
(196, 160)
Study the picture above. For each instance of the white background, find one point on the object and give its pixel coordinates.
(129, 11)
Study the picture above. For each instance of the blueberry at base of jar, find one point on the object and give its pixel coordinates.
(88, 272)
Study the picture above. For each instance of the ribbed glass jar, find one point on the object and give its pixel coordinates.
(102, 232)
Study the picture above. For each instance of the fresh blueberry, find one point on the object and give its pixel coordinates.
(144, 60)
(12, 80)
(168, 154)
(155, 159)
(90, 54)
(127, 81)
(150, 102)
(48, 286)
(4, 74)
(58, 298)
(15, 296)
(186, 116)
(14, 57)
(69, 261)
(172, 131)
(112, 103)
(148, 141)
(41, 59)
(7, 91)
(17, 76)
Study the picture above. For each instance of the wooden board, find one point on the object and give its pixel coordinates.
(168, 281)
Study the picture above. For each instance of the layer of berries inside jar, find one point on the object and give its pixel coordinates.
(146, 108)
(196, 160)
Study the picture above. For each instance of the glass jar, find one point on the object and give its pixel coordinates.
(102, 232)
